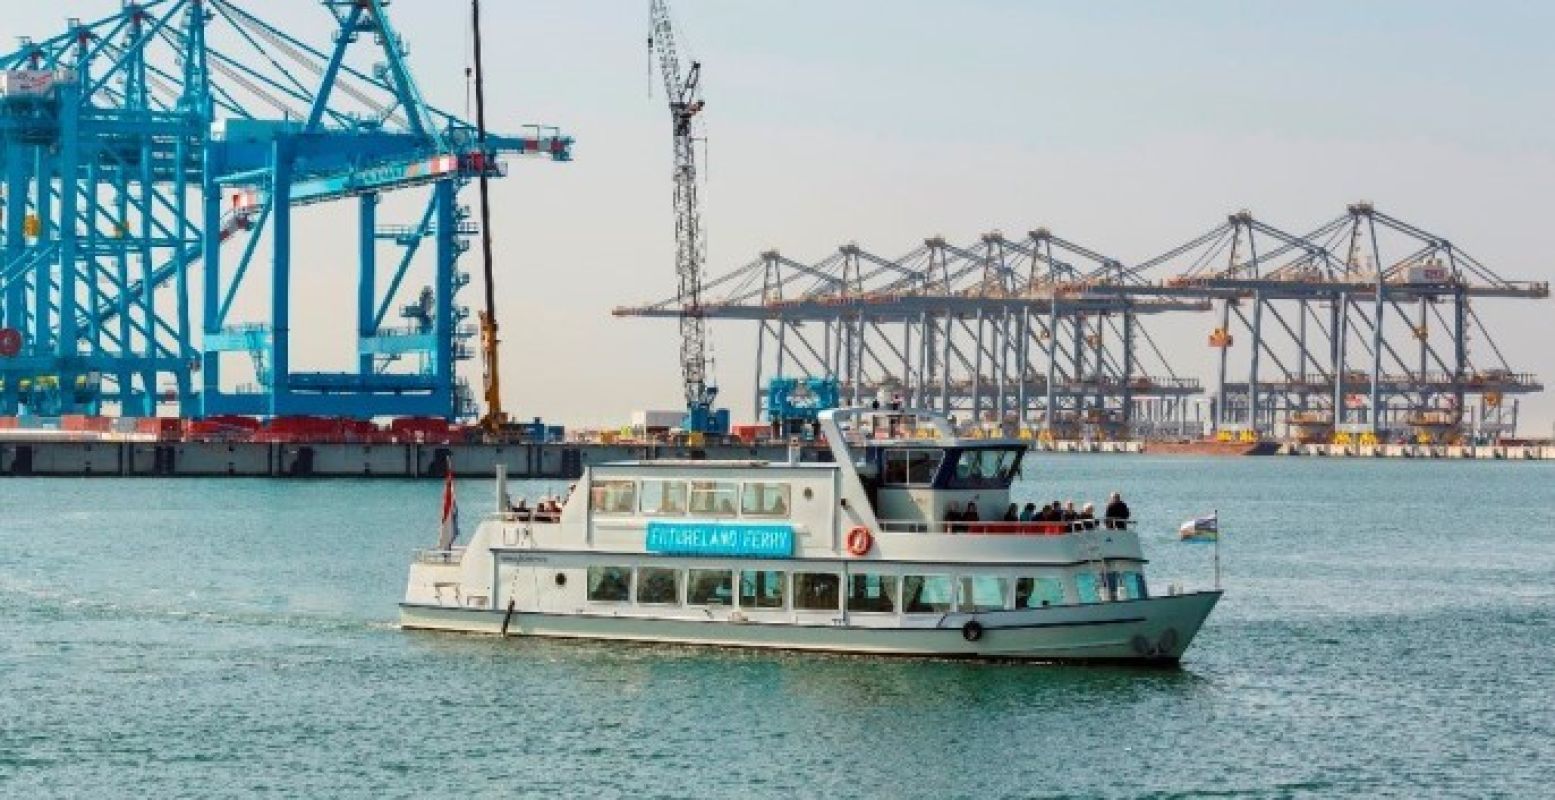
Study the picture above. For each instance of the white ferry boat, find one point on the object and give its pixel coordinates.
(851, 555)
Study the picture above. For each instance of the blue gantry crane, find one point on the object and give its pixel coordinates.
(163, 150)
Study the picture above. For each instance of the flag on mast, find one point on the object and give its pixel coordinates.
(448, 530)
(1201, 529)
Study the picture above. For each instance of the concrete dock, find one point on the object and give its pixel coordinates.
(558, 461)
(272, 460)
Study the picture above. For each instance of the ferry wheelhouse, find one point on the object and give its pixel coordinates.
(848, 555)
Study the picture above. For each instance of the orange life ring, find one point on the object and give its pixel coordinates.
(860, 540)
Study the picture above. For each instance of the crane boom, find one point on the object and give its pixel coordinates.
(682, 87)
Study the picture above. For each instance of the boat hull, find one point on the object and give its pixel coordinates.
(1155, 630)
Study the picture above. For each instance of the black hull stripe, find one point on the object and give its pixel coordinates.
(850, 628)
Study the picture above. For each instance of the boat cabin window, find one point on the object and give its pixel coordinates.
(609, 584)
(1038, 592)
(710, 587)
(927, 594)
(664, 497)
(983, 592)
(714, 498)
(613, 497)
(1087, 588)
(763, 588)
(1126, 585)
(911, 466)
(658, 586)
(764, 500)
(985, 469)
(817, 591)
(872, 593)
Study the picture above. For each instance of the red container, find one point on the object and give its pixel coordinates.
(222, 428)
(160, 427)
(748, 433)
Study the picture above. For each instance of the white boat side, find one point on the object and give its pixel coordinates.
(769, 555)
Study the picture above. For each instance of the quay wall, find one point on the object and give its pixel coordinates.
(538, 461)
(337, 460)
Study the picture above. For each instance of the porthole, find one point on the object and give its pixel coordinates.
(561, 579)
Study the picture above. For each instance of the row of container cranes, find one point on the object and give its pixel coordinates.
(1363, 329)
(155, 161)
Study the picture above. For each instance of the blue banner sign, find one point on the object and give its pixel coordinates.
(720, 539)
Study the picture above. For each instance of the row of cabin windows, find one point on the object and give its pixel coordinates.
(975, 469)
(867, 592)
(700, 498)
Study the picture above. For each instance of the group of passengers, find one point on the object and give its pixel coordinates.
(1114, 517)
(547, 509)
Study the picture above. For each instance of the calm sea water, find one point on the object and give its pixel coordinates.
(1389, 629)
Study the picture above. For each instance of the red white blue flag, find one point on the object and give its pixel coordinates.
(448, 530)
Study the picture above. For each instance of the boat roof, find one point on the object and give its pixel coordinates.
(721, 463)
(959, 441)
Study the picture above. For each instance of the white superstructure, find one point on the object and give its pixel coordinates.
(852, 555)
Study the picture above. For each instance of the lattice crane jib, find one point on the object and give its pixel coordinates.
(683, 93)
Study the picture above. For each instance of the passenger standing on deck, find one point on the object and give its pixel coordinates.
(1028, 513)
(1012, 514)
(1088, 516)
(1117, 512)
(1070, 515)
(971, 513)
(952, 517)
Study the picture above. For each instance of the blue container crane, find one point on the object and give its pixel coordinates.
(151, 152)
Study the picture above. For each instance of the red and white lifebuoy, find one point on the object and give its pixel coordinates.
(860, 540)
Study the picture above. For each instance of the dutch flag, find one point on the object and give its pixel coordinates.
(448, 530)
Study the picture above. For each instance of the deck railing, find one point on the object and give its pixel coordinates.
(1000, 528)
(434, 556)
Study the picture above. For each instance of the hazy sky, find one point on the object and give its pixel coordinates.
(1129, 127)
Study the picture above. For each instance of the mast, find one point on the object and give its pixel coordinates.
(494, 418)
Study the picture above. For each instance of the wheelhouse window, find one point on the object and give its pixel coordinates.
(710, 587)
(817, 591)
(613, 497)
(609, 584)
(659, 586)
(872, 593)
(1134, 585)
(927, 594)
(985, 469)
(983, 592)
(911, 467)
(764, 500)
(714, 498)
(1038, 592)
(664, 497)
(1126, 586)
(764, 588)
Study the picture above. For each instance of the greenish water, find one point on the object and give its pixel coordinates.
(1389, 629)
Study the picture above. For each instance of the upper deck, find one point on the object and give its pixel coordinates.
(895, 487)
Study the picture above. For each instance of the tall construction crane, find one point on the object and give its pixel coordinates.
(684, 91)
(494, 419)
